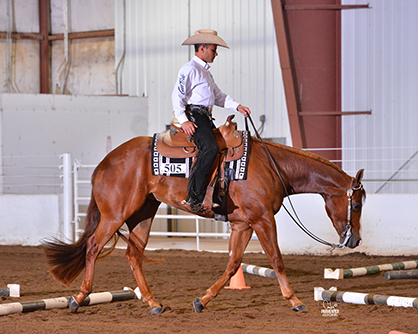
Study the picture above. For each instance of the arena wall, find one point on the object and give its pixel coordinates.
(388, 226)
(27, 219)
(43, 124)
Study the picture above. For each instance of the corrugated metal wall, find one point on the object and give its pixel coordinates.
(380, 72)
(249, 71)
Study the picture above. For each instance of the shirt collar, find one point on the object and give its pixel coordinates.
(201, 62)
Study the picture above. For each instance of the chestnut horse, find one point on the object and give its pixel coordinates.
(124, 190)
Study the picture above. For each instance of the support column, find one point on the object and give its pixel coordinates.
(287, 73)
(44, 47)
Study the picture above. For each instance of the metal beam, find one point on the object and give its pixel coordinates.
(56, 37)
(39, 37)
(84, 34)
(287, 73)
(334, 113)
(44, 48)
(324, 7)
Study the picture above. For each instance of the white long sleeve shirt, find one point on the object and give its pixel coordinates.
(195, 85)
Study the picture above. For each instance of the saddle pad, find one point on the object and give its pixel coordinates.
(180, 167)
(161, 165)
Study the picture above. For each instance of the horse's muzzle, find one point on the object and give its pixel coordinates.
(353, 242)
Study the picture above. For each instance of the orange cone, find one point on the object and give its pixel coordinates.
(237, 281)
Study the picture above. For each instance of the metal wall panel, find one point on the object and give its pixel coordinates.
(249, 71)
(380, 73)
(83, 15)
(26, 17)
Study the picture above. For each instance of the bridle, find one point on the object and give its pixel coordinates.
(346, 233)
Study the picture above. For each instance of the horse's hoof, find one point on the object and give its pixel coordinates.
(157, 310)
(73, 305)
(198, 306)
(300, 308)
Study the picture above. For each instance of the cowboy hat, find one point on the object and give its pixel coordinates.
(205, 36)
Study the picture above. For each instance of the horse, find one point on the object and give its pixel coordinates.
(125, 191)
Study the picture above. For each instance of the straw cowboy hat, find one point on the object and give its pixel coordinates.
(205, 36)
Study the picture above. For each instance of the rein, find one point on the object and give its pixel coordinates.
(346, 234)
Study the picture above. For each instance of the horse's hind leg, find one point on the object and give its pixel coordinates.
(138, 239)
(240, 236)
(103, 233)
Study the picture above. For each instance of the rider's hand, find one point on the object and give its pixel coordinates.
(244, 110)
(189, 128)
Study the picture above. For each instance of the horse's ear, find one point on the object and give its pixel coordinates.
(358, 177)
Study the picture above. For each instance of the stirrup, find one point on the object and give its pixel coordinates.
(192, 207)
(198, 207)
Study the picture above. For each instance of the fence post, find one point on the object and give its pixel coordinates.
(197, 234)
(67, 196)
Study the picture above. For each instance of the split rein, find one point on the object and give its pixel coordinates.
(346, 234)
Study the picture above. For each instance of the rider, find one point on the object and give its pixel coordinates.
(194, 95)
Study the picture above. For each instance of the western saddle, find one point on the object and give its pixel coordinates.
(175, 143)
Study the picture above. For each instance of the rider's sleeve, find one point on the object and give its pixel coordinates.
(181, 94)
(224, 100)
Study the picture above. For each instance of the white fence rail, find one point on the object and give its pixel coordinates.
(81, 198)
(37, 174)
(386, 171)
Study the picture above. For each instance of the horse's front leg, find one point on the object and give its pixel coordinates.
(267, 236)
(240, 236)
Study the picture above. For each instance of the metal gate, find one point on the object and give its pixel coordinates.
(77, 198)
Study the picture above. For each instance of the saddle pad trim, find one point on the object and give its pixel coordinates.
(240, 166)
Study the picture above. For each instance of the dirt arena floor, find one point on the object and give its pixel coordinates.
(186, 275)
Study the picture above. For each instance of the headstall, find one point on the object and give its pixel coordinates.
(346, 234)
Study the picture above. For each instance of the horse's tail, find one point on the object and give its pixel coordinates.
(69, 259)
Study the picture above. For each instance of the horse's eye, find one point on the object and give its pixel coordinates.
(356, 207)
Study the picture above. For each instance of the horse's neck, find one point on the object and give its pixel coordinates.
(311, 174)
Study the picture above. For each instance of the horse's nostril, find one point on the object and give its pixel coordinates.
(359, 242)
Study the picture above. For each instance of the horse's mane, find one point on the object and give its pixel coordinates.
(306, 154)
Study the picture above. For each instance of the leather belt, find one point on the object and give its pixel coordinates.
(199, 109)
